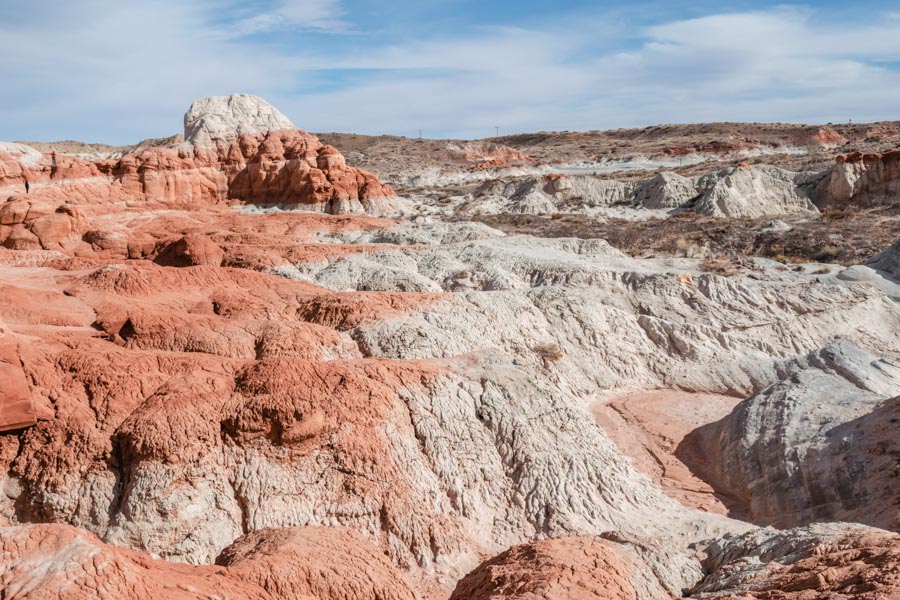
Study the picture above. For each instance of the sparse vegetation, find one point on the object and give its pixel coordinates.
(863, 233)
(828, 254)
(725, 266)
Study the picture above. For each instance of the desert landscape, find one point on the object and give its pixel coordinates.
(247, 361)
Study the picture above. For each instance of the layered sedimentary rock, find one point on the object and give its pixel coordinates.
(578, 193)
(818, 445)
(433, 399)
(862, 178)
(743, 191)
(836, 561)
(242, 152)
(352, 407)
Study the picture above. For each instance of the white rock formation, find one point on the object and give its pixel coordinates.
(756, 191)
(887, 262)
(819, 444)
(26, 155)
(748, 191)
(667, 190)
(227, 117)
(579, 194)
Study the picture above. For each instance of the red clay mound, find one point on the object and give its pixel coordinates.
(567, 568)
(328, 563)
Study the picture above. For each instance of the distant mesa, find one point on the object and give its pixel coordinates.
(227, 117)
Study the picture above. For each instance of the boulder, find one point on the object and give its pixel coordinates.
(190, 251)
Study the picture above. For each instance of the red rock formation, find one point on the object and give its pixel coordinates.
(862, 178)
(488, 156)
(320, 562)
(824, 137)
(290, 168)
(16, 409)
(825, 561)
(570, 567)
(60, 562)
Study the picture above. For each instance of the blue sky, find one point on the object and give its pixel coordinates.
(117, 72)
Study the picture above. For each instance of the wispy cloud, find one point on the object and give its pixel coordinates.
(323, 15)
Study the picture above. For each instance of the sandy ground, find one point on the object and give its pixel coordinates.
(650, 428)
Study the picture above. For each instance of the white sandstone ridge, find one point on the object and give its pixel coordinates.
(25, 155)
(817, 445)
(742, 191)
(227, 117)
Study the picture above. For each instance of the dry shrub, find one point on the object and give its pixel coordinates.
(836, 214)
(720, 265)
(828, 254)
(687, 248)
(548, 351)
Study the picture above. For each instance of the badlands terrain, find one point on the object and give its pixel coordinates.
(251, 362)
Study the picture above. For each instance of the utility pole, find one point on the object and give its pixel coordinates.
(497, 127)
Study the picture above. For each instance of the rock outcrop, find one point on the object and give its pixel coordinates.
(295, 405)
(327, 563)
(238, 156)
(223, 118)
(887, 262)
(835, 561)
(666, 191)
(569, 567)
(743, 191)
(818, 445)
(303, 563)
(862, 178)
(585, 194)
(756, 191)
(60, 562)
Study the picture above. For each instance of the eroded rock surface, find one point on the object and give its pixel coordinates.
(833, 561)
(819, 445)
(227, 117)
(569, 567)
(347, 406)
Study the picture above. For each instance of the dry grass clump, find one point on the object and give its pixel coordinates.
(687, 248)
(719, 264)
(548, 351)
(828, 254)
